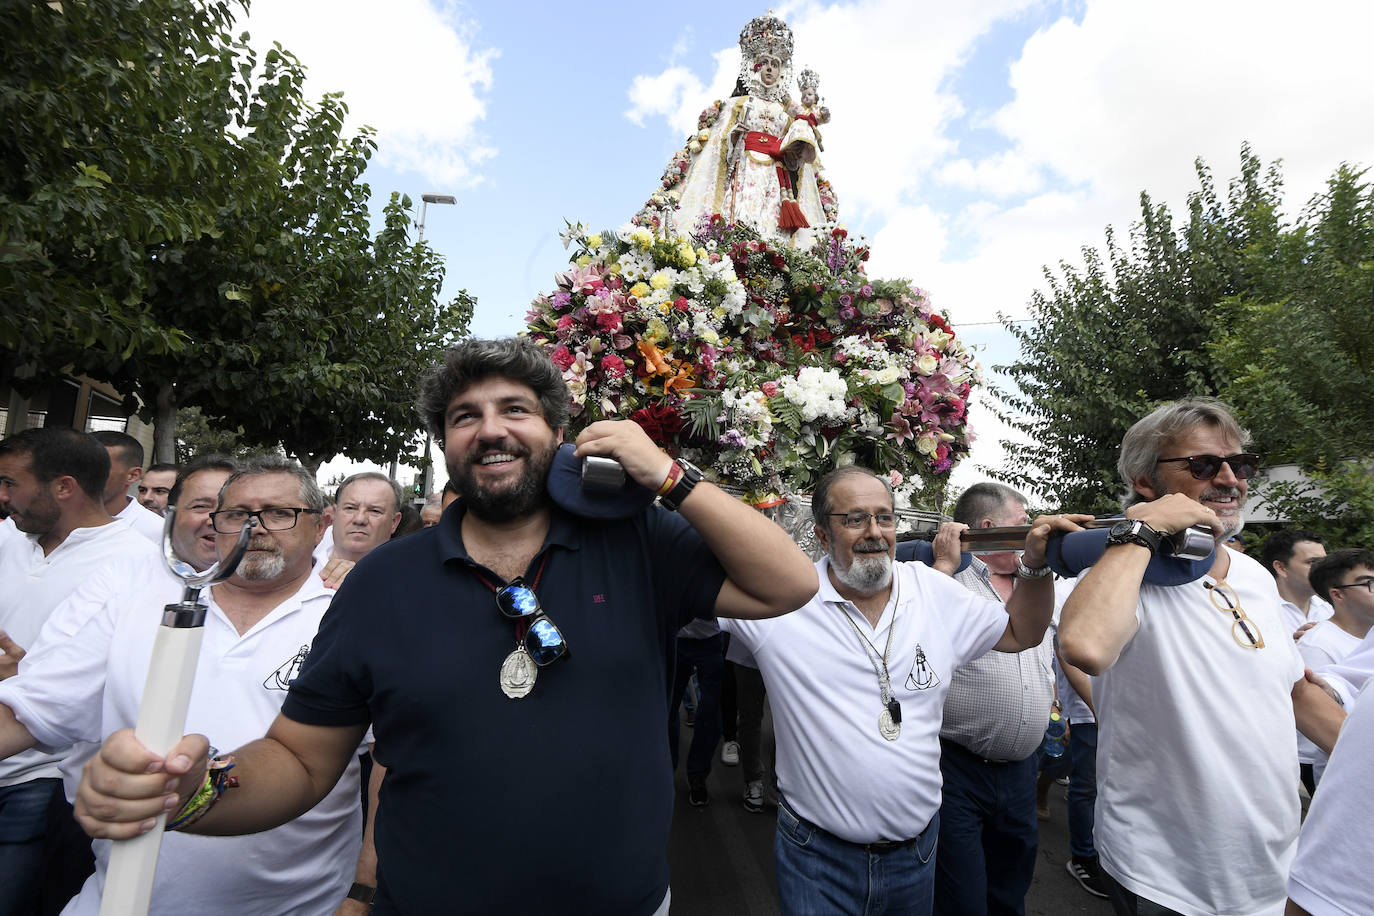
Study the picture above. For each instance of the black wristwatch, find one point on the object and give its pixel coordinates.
(1134, 531)
(363, 893)
(691, 475)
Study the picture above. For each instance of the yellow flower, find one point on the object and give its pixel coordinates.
(655, 330)
(585, 260)
(686, 255)
(642, 238)
(639, 290)
(594, 241)
(660, 280)
(702, 254)
(710, 337)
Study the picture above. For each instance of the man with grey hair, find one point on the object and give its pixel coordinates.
(994, 722)
(367, 509)
(1197, 688)
(83, 685)
(510, 658)
(858, 679)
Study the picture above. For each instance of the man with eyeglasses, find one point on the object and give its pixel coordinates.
(858, 680)
(1197, 686)
(84, 684)
(513, 661)
(1346, 577)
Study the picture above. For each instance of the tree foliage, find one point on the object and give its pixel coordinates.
(280, 314)
(1111, 340)
(1273, 318)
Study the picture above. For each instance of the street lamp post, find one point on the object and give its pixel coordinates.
(426, 199)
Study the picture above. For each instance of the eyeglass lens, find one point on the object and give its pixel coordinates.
(1205, 467)
(516, 601)
(544, 642)
(860, 519)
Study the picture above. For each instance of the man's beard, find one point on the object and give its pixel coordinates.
(517, 499)
(866, 572)
(40, 517)
(1234, 527)
(256, 566)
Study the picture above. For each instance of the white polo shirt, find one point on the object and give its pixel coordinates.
(1318, 609)
(1323, 645)
(91, 685)
(834, 767)
(32, 586)
(1331, 874)
(145, 521)
(1349, 676)
(1197, 765)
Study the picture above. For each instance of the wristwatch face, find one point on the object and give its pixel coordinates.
(1123, 531)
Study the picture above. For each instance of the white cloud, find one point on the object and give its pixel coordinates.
(408, 68)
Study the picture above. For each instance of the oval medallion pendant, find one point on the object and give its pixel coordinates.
(518, 673)
(888, 728)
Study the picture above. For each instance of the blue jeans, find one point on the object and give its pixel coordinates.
(988, 834)
(1082, 789)
(23, 825)
(820, 874)
(707, 658)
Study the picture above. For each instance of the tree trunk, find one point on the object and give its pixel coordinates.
(165, 425)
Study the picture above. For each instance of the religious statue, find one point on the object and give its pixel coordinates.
(754, 158)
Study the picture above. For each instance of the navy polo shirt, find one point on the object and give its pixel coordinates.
(559, 802)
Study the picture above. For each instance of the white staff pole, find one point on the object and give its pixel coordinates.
(162, 714)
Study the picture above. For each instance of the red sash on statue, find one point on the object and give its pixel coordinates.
(790, 215)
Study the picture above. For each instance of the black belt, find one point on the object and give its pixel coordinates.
(947, 744)
(880, 846)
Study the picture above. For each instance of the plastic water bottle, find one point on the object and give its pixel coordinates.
(1055, 735)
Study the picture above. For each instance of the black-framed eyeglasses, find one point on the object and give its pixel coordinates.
(543, 640)
(1204, 467)
(857, 520)
(1366, 584)
(231, 521)
(1243, 629)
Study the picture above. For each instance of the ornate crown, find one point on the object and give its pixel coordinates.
(809, 79)
(767, 34)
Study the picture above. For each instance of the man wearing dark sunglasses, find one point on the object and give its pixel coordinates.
(1198, 685)
(512, 660)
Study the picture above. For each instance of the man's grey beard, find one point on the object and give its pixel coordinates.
(254, 567)
(1238, 525)
(867, 573)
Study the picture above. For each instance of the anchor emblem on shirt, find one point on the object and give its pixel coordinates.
(281, 678)
(921, 677)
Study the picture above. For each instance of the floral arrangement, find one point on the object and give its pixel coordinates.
(765, 365)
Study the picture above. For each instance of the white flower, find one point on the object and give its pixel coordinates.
(818, 392)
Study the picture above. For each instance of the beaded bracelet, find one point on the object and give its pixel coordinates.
(217, 781)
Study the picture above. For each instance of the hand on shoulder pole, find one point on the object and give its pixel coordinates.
(125, 786)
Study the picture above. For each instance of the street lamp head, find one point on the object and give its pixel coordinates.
(439, 198)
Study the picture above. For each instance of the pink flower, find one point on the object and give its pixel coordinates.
(608, 321)
(845, 300)
(561, 300)
(770, 389)
(565, 325)
(622, 341)
(562, 357)
(901, 430)
(612, 366)
(866, 291)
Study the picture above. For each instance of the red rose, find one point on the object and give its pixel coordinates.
(660, 422)
(680, 304)
(779, 262)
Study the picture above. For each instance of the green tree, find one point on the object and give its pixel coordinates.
(1108, 342)
(1300, 360)
(113, 112)
(284, 318)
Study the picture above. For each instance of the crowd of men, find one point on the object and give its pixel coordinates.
(493, 687)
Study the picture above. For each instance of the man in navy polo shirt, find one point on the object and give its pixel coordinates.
(527, 771)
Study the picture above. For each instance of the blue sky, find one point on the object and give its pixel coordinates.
(972, 143)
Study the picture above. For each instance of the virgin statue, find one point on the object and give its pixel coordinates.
(755, 161)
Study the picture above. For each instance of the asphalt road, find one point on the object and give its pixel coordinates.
(722, 855)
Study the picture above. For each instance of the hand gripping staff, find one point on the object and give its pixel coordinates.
(162, 714)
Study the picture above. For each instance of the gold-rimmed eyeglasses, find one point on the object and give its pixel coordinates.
(1243, 629)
